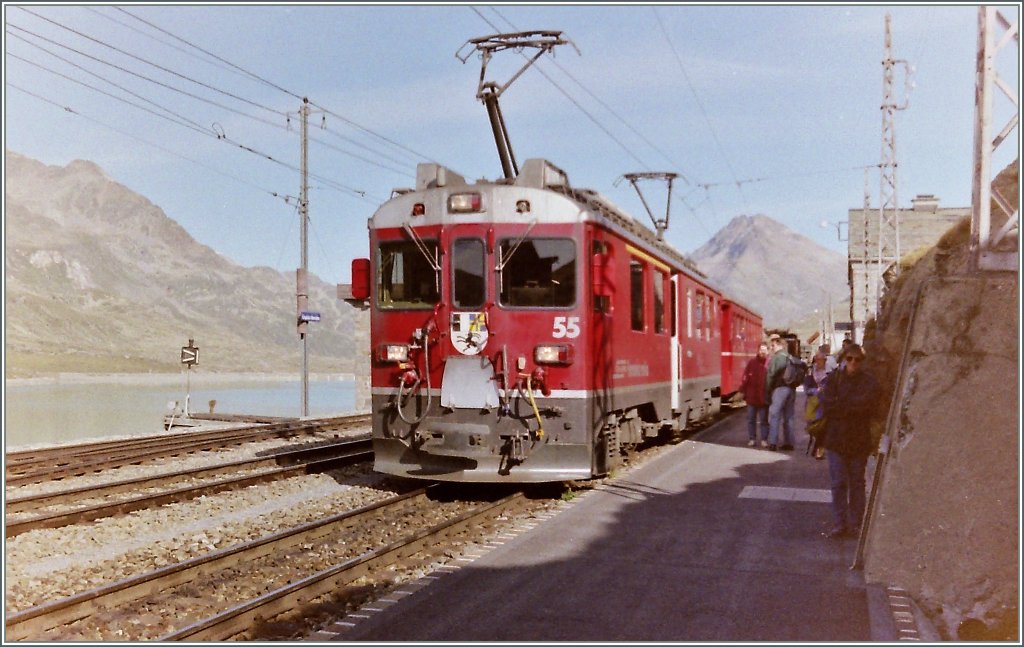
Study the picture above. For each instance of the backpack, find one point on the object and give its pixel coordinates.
(795, 371)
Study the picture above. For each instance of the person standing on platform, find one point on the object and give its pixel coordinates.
(814, 410)
(781, 398)
(753, 389)
(850, 398)
(841, 353)
(830, 360)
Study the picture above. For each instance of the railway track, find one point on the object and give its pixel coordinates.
(78, 505)
(145, 606)
(226, 593)
(37, 466)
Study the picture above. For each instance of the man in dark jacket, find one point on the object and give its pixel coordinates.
(850, 397)
(753, 389)
(781, 398)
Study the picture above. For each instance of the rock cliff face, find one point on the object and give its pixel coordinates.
(99, 279)
(945, 524)
(773, 269)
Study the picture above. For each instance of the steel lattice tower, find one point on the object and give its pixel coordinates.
(992, 248)
(888, 199)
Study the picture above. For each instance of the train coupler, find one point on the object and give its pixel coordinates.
(515, 447)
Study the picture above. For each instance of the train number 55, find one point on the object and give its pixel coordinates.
(567, 327)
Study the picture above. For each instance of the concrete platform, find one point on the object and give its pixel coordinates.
(710, 541)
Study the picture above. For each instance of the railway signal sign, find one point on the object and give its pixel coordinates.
(190, 354)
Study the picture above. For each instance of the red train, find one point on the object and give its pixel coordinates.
(524, 330)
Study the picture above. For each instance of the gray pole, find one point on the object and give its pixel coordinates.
(304, 215)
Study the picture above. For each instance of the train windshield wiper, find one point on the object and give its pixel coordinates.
(503, 260)
(431, 260)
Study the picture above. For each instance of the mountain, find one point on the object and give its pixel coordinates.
(99, 279)
(769, 267)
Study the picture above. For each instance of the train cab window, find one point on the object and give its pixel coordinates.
(659, 302)
(636, 295)
(406, 278)
(538, 273)
(469, 287)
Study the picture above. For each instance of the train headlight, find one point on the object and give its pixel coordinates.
(464, 203)
(397, 353)
(554, 354)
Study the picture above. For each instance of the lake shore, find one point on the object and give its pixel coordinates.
(81, 407)
(157, 379)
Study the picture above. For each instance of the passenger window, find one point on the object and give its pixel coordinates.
(636, 294)
(699, 315)
(689, 313)
(673, 307)
(469, 287)
(710, 319)
(659, 302)
(405, 276)
(538, 273)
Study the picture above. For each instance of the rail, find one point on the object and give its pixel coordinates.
(344, 453)
(35, 622)
(28, 467)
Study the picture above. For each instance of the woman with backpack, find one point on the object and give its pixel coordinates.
(781, 397)
(814, 410)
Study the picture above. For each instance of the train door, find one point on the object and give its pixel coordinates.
(676, 354)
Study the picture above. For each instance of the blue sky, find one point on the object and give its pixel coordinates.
(763, 109)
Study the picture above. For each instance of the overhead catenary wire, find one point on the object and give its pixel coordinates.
(184, 92)
(771, 178)
(183, 119)
(274, 194)
(700, 104)
(178, 48)
(156, 65)
(677, 197)
(282, 89)
(604, 104)
(241, 70)
(211, 133)
(293, 94)
(146, 78)
(736, 182)
(174, 89)
(170, 116)
(573, 100)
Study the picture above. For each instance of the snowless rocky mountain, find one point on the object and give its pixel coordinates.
(98, 279)
(771, 268)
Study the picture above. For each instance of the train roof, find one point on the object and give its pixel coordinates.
(543, 175)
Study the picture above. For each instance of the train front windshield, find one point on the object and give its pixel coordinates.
(534, 273)
(538, 273)
(406, 278)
